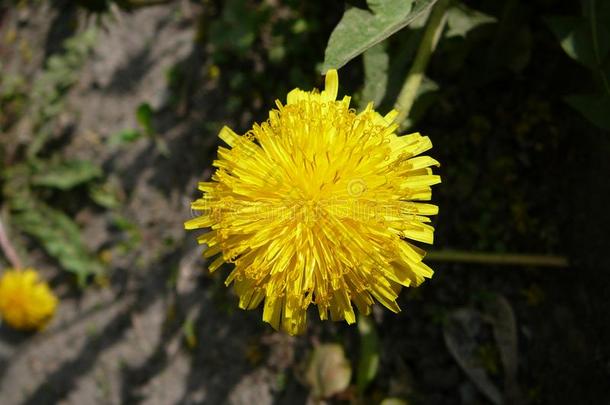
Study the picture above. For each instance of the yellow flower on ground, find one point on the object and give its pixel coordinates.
(26, 303)
(315, 206)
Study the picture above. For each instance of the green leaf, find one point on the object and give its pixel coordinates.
(369, 353)
(461, 332)
(585, 39)
(504, 324)
(51, 85)
(461, 19)
(361, 29)
(67, 174)
(237, 27)
(574, 35)
(144, 115)
(596, 108)
(107, 195)
(125, 136)
(59, 236)
(376, 63)
(190, 336)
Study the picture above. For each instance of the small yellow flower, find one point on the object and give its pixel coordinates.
(26, 303)
(315, 206)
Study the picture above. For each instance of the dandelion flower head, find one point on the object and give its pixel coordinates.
(26, 302)
(317, 206)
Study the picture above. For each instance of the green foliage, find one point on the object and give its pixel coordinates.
(361, 29)
(368, 364)
(594, 107)
(107, 195)
(144, 115)
(48, 89)
(287, 40)
(12, 99)
(574, 35)
(57, 233)
(59, 236)
(376, 64)
(133, 235)
(586, 39)
(237, 27)
(27, 184)
(66, 174)
(124, 136)
(190, 335)
(462, 19)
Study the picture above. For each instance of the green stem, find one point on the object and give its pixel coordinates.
(508, 259)
(434, 28)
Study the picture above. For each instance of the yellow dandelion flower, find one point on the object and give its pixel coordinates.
(315, 206)
(26, 303)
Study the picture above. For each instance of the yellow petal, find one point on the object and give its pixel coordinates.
(331, 88)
